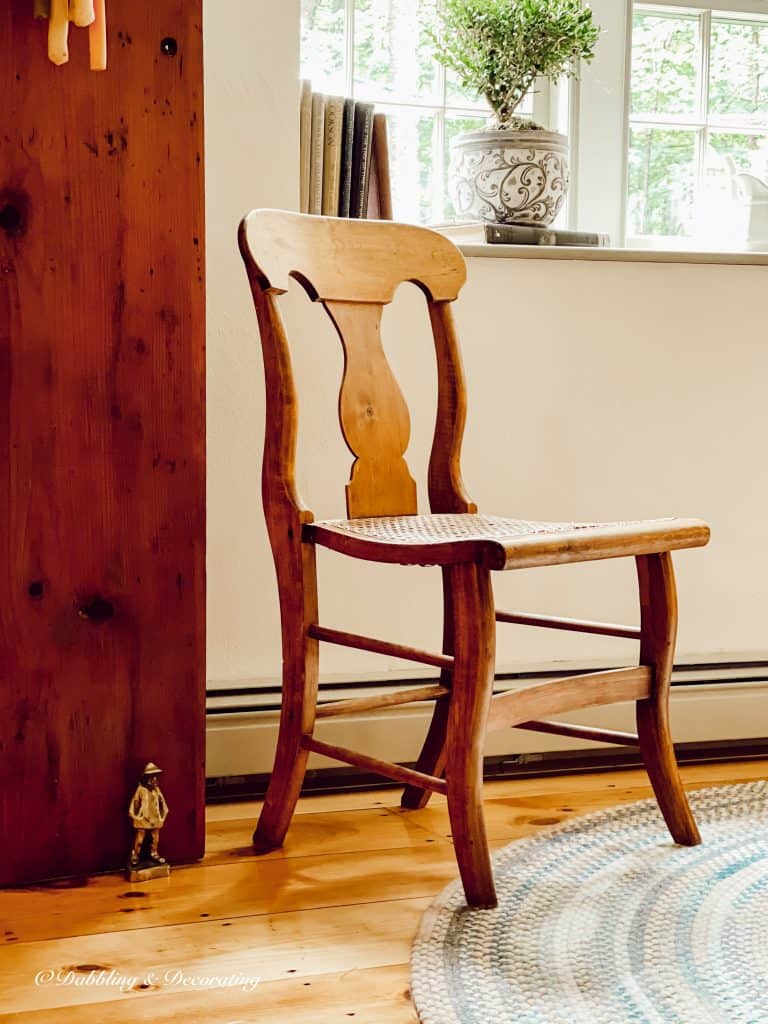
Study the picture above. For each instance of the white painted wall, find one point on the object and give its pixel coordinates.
(597, 390)
(613, 391)
(251, 93)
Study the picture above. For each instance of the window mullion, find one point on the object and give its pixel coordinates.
(438, 157)
(349, 46)
(706, 36)
(574, 134)
(702, 134)
(438, 153)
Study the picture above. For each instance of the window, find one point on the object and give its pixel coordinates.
(377, 50)
(675, 105)
(698, 113)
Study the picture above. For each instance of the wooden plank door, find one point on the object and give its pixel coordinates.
(102, 322)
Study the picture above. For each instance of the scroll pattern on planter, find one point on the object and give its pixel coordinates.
(510, 185)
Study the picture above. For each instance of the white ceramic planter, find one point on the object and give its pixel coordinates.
(509, 177)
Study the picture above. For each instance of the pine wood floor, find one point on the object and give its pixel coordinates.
(326, 923)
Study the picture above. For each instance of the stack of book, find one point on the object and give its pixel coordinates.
(344, 157)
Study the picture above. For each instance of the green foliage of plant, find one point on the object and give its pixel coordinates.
(499, 47)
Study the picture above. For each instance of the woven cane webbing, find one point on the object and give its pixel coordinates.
(442, 528)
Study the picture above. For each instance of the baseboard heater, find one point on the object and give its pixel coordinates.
(520, 766)
(718, 708)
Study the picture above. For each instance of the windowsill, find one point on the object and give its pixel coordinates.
(609, 255)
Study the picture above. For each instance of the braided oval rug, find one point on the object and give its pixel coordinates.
(604, 920)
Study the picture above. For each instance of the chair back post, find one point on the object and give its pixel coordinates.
(284, 510)
(446, 487)
(283, 506)
(295, 563)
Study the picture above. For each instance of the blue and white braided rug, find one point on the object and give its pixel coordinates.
(604, 921)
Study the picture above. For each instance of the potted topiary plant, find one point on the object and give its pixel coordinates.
(515, 172)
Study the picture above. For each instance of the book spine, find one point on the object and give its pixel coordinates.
(373, 210)
(361, 159)
(316, 154)
(334, 117)
(381, 159)
(347, 144)
(305, 143)
(519, 234)
(367, 160)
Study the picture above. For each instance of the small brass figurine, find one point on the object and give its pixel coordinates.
(148, 811)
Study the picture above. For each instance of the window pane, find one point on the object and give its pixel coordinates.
(322, 44)
(460, 97)
(411, 155)
(665, 63)
(393, 57)
(738, 87)
(662, 174)
(526, 106)
(455, 124)
(720, 214)
(740, 152)
(455, 96)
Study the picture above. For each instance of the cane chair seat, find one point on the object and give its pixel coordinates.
(496, 542)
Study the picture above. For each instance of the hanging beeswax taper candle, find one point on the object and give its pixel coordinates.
(58, 30)
(97, 37)
(81, 12)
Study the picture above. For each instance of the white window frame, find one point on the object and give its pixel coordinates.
(599, 134)
(547, 107)
(595, 112)
(701, 122)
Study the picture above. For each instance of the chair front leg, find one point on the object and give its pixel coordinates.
(474, 645)
(658, 628)
(298, 610)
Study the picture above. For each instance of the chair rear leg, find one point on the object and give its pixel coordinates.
(298, 610)
(658, 626)
(474, 645)
(431, 760)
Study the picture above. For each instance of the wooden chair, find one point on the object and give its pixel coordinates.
(353, 267)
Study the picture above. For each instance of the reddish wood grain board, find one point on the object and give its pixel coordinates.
(102, 320)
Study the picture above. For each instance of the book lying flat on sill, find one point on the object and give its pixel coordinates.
(518, 234)
(473, 232)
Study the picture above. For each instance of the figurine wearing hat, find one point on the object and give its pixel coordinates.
(147, 811)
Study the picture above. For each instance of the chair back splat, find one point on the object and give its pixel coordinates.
(353, 268)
